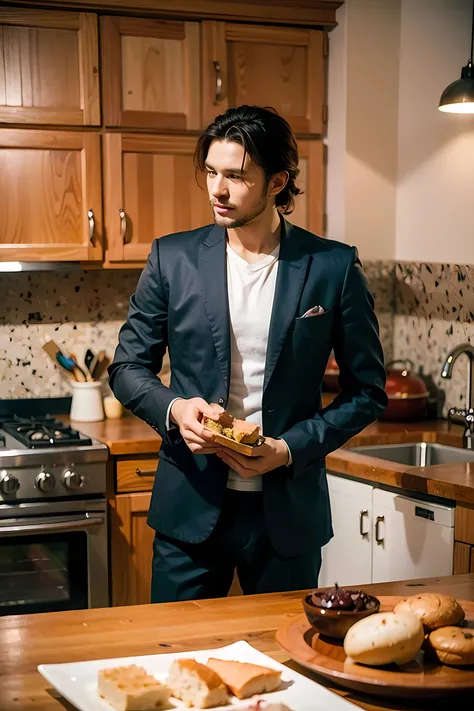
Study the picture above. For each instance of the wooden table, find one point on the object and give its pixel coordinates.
(29, 640)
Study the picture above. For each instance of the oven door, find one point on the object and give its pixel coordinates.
(53, 556)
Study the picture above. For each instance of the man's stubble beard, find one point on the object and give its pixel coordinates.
(257, 209)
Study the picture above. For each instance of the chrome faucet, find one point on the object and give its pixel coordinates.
(462, 416)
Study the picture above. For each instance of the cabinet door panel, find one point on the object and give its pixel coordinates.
(309, 204)
(282, 67)
(347, 558)
(49, 180)
(152, 179)
(49, 67)
(131, 549)
(151, 75)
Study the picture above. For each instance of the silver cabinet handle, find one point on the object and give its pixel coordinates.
(90, 217)
(219, 95)
(361, 523)
(123, 225)
(380, 519)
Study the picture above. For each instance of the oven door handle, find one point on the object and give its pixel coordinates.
(23, 529)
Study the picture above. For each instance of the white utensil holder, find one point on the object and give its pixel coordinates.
(86, 405)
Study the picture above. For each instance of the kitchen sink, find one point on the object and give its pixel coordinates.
(417, 454)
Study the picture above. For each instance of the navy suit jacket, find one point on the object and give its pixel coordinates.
(181, 303)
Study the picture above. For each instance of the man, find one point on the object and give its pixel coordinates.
(249, 308)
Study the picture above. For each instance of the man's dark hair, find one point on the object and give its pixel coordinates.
(266, 137)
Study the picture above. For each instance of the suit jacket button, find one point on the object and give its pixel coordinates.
(220, 401)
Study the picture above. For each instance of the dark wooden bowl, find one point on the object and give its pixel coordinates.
(332, 622)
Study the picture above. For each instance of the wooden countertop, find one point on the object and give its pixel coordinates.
(29, 640)
(449, 481)
(128, 435)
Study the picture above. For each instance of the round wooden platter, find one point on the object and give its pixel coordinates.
(421, 678)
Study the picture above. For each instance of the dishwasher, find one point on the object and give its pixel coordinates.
(413, 538)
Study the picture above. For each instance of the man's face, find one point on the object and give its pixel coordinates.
(238, 190)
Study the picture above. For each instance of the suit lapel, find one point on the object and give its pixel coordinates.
(292, 268)
(212, 267)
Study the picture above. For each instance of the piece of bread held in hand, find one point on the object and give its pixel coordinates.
(245, 680)
(433, 609)
(131, 688)
(238, 430)
(196, 684)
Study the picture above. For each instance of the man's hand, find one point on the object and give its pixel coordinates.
(273, 453)
(188, 415)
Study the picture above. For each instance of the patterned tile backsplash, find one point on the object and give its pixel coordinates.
(434, 311)
(424, 310)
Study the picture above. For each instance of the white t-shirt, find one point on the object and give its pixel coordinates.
(251, 289)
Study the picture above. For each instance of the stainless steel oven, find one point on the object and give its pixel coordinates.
(53, 556)
(53, 517)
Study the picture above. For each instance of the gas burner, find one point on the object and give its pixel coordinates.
(43, 432)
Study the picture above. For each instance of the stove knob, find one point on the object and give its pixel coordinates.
(8, 484)
(45, 481)
(72, 480)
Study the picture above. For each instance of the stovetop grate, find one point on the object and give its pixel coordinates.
(42, 431)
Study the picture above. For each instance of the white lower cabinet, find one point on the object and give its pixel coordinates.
(381, 536)
(347, 558)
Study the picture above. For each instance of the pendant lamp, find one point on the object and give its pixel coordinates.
(458, 97)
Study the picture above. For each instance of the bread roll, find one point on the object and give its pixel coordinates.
(196, 684)
(245, 680)
(453, 645)
(433, 609)
(384, 638)
(132, 689)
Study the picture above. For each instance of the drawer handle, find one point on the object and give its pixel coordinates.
(379, 520)
(219, 94)
(361, 523)
(90, 217)
(123, 225)
(140, 473)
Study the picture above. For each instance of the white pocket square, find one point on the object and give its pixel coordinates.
(315, 311)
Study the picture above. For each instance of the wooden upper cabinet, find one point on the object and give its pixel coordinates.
(150, 191)
(151, 73)
(51, 200)
(282, 67)
(309, 204)
(49, 67)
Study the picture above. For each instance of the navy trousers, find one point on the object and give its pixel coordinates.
(195, 571)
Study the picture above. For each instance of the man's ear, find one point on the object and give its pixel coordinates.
(277, 182)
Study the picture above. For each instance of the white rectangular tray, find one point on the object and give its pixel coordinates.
(77, 681)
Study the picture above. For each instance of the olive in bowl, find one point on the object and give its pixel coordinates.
(333, 612)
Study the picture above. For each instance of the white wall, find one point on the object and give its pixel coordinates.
(435, 195)
(362, 133)
(400, 172)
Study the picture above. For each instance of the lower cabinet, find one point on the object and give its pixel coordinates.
(347, 559)
(464, 535)
(131, 539)
(131, 546)
(382, 536)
